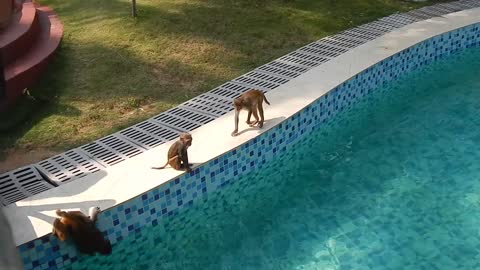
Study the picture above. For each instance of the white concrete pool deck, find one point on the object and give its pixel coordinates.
(32, 218)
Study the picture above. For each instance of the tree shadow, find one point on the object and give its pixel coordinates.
(113, 98)
(103, 77)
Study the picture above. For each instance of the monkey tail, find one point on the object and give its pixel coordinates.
(159, 168)
(265, 98)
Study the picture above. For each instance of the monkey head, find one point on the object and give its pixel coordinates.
(186, 139)
(60, 230)
(238, 103)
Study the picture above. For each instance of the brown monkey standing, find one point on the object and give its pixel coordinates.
(177, 155)
(252, 102)
(81, 229)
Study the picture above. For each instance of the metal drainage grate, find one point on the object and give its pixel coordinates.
(361, 34)
(332, 40)
(68, 166)
(270, 69)
(182, 119)
(288, 66)
(442, 10)
(432, 11)
(451, 7)
(148, 134)
(398, 20)
(468, 4)
(209, 104)
(295, 60)
(349, 40)
(21, 183)
(324, 45)
(230, 90)
(256, 83)
(378, 27)
(111, 150)
(267, 77)
(422, 15)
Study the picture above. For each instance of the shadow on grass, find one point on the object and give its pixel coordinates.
(122, 83)
(110, 64)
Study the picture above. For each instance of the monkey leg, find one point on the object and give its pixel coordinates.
(249, 116)
(176, 163)
(262, 118)
(255, 114)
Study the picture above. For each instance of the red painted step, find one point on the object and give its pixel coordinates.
(20, 34)
(24, 71)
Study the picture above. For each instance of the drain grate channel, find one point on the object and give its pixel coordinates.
(209, 104)
(288, 66)
(182, 119)
(380, 28)
(21, 183)
(333, 40)
(269, 69)
(68, 166)
(399, 20)
(325, 52)
(451, 7)
(468, 4)
(257, 82)
(148, 134)
(111, 150)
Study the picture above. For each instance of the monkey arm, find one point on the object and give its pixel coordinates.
(183, 155)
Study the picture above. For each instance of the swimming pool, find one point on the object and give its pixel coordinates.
(392, 183)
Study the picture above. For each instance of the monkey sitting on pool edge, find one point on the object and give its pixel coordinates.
(252, 102)
(82, 231)
(177, 155)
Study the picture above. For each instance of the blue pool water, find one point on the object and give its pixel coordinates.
(393, 183)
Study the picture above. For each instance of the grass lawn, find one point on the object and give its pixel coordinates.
(113, 70)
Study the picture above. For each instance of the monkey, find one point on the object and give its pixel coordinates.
(82, 231)
(177, 155)
(251, 101)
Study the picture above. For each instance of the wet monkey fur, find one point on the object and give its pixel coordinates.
(252, 102)
(82, 231)
(177, 155)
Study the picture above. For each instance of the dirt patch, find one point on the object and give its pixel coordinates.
(12, 159)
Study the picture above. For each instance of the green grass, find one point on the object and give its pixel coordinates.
(113, 70)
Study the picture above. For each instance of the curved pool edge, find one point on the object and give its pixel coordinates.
(120, 186)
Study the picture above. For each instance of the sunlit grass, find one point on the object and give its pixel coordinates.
(113, 70)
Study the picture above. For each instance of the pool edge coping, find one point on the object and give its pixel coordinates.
(285, 103)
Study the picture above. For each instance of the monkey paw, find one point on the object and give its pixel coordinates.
(235, 133)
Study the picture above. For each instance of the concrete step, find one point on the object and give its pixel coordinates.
(25, 70)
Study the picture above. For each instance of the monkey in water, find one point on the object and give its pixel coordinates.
(252, 102)
(177, 155)
(82, 231)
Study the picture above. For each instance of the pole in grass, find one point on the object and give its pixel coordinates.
(134, 8)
